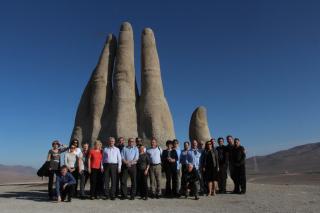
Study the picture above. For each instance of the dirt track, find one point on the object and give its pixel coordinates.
(260, 198)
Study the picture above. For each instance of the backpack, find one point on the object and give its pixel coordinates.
(44, 170)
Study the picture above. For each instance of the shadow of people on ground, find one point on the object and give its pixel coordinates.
(33, 195)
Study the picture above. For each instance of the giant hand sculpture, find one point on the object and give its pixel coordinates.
(112, 107)
(198, 128)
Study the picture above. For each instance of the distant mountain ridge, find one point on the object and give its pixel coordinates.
(17, 173)
(300, 159)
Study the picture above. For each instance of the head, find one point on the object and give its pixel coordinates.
(186, 145)
(120, 141)
(200, 145)
(63, 170)
(212, 140)
(72, 148)
(55, 144)
(131, 142)
(97, 144)
(220, 141)
(141, 148)
(169, 144)
(111, 141)
(236, 142)
(175, 144)
(153, 143)
(190, 167)
(75, 142)
(230, 140)
(194, 144)
(138, 141)
(85, 147)
(208, 145)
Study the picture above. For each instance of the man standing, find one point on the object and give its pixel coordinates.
(238, 160)
(229, 151)
(155, 153)
(83, 169)
(222, 173)
(196, 160)
(130, 156)
(112, 166)
(65, 184)
(178, 176)
(185, 157)
(119, 145)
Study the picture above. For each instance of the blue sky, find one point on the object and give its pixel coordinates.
(253, 64)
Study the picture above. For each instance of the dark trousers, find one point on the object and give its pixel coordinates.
(183, 171)
(132, 172)
(171, 180)
(68, 191)
(232, 174)
(193, 186)
(178, 177)
(95, 182)
(118, 183)
(110, 172)
(142, 179)
(222, 177)
(75, 174)
(84, 176)
(50, 183)
(240, 178)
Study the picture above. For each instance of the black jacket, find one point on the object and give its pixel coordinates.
(238, 156)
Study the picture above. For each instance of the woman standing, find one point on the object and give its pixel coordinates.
(71, 160)
(54, 159)
(169, 159)
(210, 167)
(94, 169)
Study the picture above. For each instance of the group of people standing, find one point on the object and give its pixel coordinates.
(195, 170)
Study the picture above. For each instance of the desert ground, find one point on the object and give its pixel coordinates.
(32, 198)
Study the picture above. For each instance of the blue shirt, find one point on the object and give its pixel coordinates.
(155, 155)
(196, 156)
(178, 161)
(61, 180)
(186, 157)
(130, 153)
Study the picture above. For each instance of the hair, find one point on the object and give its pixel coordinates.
(186, 142)
(229, 136)
(55, 142)
(168, 143)
(64, 167)
(175, 141)
(220, 138)
(131, 139)
(97, 142)
(236, 139)
(111, 138)
(207, 144)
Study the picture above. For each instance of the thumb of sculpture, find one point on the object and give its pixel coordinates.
(96, 96)
(198, 128)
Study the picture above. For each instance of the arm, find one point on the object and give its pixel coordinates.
(49, 156)
(148, 165)
(136, 157)
(89, 163)
(123, 156)
(119, 160)
(71, 179)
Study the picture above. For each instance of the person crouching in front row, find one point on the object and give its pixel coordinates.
(65, 184)
(190, 182)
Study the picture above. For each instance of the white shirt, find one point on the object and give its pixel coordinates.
(112, 155)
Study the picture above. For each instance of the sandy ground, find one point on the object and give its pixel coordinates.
(259, 198)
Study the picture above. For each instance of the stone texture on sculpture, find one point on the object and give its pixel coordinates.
(154, 114)
(96, 97)
(124, 96)
(198, 128)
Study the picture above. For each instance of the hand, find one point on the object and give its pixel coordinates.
(119, 171)
(64, 186)
(204, 169)
(146, 172)
(59, 199)
(89, 170)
